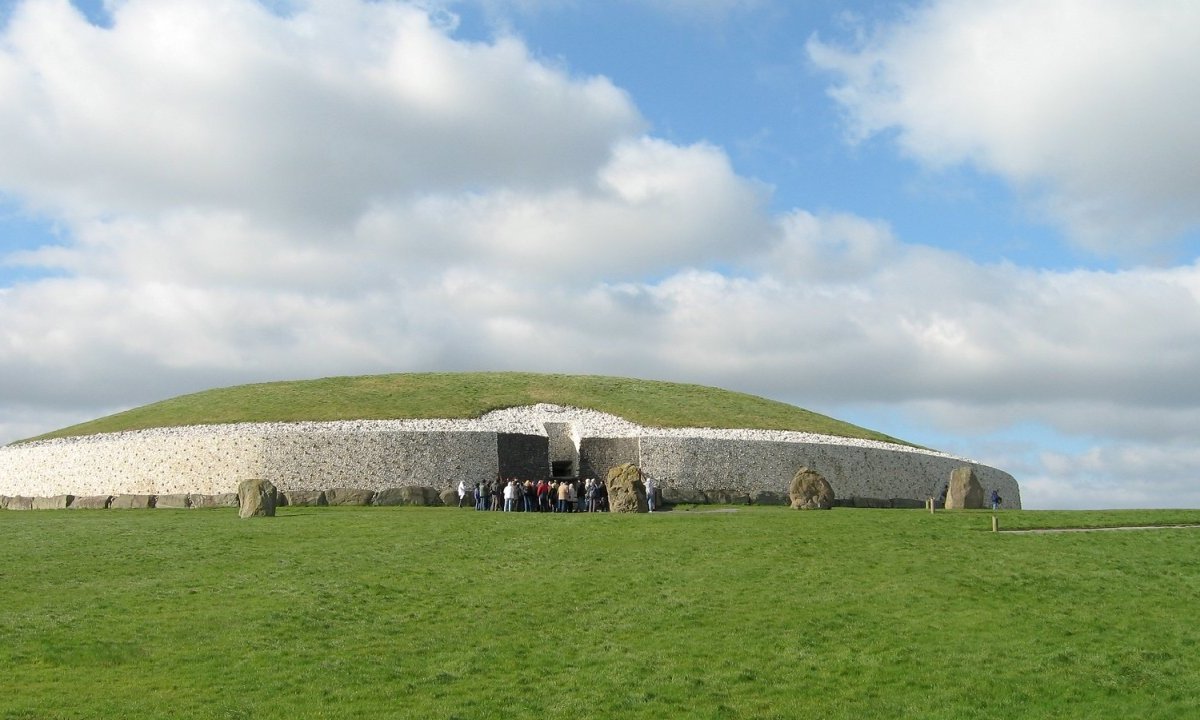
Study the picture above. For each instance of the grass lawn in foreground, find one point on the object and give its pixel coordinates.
(442, 613)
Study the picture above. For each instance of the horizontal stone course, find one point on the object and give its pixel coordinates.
(57, 502)
(91, 502)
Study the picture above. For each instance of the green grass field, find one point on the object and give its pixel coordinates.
(469, 395)
(442, 613)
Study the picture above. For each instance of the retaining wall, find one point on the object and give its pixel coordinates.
(214, 459)
(748, 466)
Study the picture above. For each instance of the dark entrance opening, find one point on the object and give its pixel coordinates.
(562, 469)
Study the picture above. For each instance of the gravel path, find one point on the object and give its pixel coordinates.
(1042, 531)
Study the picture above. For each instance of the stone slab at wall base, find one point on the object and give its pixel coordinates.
(768, 497)
(20, 503)
(729, 497)
(222, 500)
(131, 502)
(174, 502)
(303, 498)
(58, 502)
(349, 496)
(91, 502)
(3, 502)
(682, 496)
(410, 495)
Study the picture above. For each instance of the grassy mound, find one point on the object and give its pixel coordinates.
(469, 395)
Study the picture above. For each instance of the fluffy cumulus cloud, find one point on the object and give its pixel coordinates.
(1084, 105)
(347, 187)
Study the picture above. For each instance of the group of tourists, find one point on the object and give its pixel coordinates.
(513, 495)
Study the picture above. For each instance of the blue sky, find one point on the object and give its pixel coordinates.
(973, 225)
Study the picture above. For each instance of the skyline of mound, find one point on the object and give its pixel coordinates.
(469, 395)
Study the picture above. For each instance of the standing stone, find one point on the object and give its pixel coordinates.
(256, 498)
(965, 492)
(626, 489)
(810, 491)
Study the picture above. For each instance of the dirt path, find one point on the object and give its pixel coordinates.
(1099, 529)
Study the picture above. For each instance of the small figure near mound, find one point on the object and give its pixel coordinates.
(810, 491)
(256, 498)
(965, 492)
(626, 489)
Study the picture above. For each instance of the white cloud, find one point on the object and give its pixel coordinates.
(1118, 475)
(1085, 105)
(306, 117)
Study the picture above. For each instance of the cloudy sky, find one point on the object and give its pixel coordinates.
(973, 224)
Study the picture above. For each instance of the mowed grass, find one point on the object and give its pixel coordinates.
(442, 613)
(469, 395)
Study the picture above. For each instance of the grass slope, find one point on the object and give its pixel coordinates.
(442, 613)
(469, 395)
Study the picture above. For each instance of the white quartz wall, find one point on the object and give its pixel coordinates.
(382, 454)
(853, 470)
(216, 459)
(378, 460)
(131, 463)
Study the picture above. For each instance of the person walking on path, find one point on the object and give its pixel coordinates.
(996, 499)
(651, 486)
(462, 492)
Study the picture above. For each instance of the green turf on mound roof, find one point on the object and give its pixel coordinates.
(469, 395)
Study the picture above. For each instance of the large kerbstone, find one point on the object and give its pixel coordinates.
(174, 502)
(256, 498)
(859, 501)
(303, 498)
(3, 502)
(131, 502)
(57, 502)
(214, 501)
(810, 490)
(409, 495)
(449, 498)
(19, 502)
(682, 496)
(730, 497)
(965, 492)
(626, 489)
(91, 502)
(768, 497)
(349, 496)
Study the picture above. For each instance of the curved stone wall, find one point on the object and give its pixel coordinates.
(385, 454)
